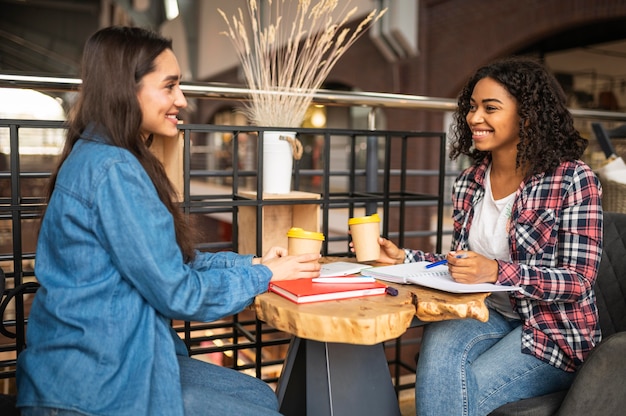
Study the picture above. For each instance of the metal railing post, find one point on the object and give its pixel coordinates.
(371, 163)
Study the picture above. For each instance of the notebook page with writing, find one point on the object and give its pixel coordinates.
(437, 277)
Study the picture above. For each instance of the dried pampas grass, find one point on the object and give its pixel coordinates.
(285, 63)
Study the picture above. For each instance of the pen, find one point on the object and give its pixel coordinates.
(444, 261)
(437, 263)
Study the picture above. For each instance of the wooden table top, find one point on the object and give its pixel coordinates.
(368, 320)
(435, 305)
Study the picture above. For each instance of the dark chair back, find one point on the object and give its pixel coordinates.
(599, 384)
(600, 381)
(610, 286)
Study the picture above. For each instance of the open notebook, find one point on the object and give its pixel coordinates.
(436, 277)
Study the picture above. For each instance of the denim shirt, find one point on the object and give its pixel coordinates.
(112, 276)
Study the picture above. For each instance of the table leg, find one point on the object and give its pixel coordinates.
(323, 378)
(291, 388)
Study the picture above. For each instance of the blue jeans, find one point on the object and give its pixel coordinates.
(213, 390)
(47, 411)
(207, 390)
(468, 368)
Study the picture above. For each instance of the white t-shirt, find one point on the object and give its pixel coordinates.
(488, 236)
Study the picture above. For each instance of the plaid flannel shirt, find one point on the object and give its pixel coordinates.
(555, 240)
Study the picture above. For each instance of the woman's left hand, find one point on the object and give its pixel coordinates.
(470, 267)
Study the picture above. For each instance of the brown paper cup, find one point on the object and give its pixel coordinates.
(300, 241)
(365, 232)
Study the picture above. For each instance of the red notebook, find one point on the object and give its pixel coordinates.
(306, 291)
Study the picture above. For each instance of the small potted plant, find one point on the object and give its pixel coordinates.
(284, 64)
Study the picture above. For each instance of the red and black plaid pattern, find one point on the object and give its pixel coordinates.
(555, 239)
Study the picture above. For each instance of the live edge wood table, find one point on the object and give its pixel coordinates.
(336, 364)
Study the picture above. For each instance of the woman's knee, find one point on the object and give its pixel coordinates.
(204, 382)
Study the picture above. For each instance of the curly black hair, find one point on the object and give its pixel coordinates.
(546, 129)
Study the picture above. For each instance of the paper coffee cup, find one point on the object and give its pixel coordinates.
(365, 232)
(303, 242)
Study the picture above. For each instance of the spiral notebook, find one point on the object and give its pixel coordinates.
(437, 277)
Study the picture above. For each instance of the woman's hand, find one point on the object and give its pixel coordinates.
(389, 252)
(290, 267)
(272, 253)
(470, 267)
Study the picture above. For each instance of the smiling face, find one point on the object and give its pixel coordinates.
(160, 97)
(493, 119)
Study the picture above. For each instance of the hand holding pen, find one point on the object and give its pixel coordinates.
(471, 267)
(445, 261)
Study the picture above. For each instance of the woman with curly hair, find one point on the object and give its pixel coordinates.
(527, 213)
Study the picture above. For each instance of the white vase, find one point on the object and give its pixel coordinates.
(277, 161)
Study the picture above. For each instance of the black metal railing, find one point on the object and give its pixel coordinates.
(407, 198)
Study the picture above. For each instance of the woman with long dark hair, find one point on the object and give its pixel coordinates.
(116, 260)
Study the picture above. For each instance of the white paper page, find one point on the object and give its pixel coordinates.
(436, 277)
(341, 268)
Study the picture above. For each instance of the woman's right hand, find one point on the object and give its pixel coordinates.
(389, 252)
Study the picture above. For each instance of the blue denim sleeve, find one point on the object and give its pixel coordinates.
(221, 259)
(138, 231)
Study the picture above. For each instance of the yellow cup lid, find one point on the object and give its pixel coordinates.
(296, 232)
(364, 220)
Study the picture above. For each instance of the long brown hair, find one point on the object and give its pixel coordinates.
(114, 61)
